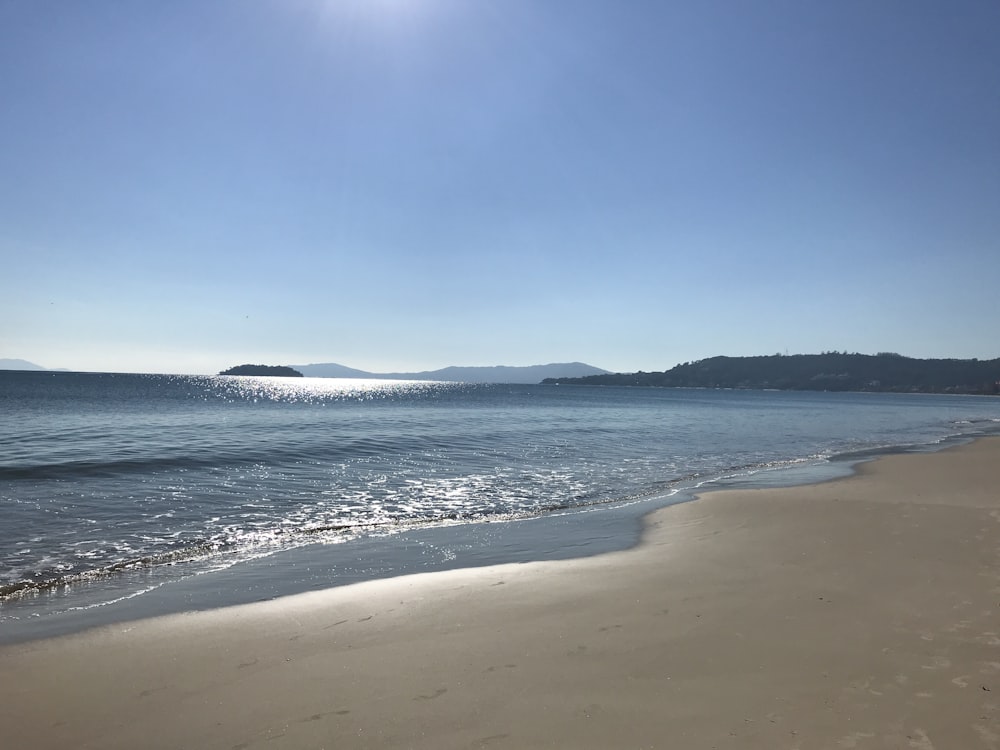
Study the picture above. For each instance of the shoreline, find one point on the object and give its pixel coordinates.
(137, 563)
(576, 534)
(858, 612)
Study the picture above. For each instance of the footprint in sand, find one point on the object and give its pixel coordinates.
(987, 735)
(919, 739)
(865, 686)
(437, 693)
(493, 738)
(960, 625)
(852, 739)
(937, 662)
(505, 666)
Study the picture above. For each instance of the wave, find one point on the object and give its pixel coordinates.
(330, 451)
(103, 469)
(282, 537)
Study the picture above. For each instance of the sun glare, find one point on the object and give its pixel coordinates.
(386, 14)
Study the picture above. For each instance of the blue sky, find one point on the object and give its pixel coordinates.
(407, 184)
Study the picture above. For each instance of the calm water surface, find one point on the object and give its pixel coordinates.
(106, 477)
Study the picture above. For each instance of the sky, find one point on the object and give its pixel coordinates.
(401, 185)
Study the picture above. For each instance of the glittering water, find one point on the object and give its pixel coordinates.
(101, 473)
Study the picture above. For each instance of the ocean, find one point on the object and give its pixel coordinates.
(124, 495)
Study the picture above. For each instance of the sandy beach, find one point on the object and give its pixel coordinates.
(859, 613)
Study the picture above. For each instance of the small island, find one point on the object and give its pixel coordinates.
(274, 371)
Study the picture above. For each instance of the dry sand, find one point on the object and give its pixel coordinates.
(861, 613)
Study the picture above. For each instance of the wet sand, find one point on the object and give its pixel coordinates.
(859, 613)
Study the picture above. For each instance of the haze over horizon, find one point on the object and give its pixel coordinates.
(404, 185)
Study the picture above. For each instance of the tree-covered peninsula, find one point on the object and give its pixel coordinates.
(277, 371)
(830, 371)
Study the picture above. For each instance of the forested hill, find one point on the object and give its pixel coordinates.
(818, 372)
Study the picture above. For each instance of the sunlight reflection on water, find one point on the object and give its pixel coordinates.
(111, 474)
(316, 390)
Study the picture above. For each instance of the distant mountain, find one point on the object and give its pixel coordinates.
(830, 371)
(18, 364)
(496, 374)
(332, 370)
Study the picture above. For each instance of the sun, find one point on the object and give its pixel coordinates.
(394, 16)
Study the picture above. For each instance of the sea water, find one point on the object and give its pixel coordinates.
(115, 486)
